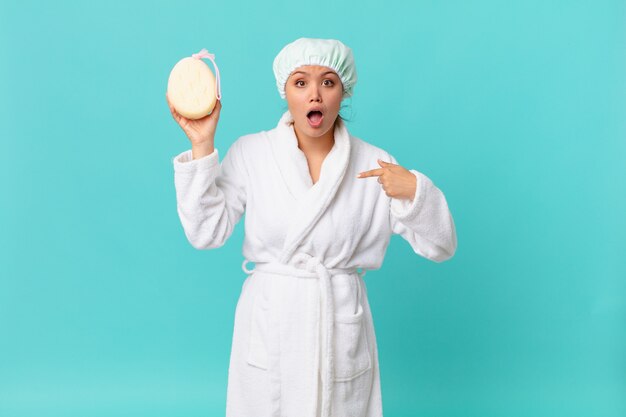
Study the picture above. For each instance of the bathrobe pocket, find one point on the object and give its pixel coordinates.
(351, 350)
(257, 346)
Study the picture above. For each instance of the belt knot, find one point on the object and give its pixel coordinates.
(309, 262)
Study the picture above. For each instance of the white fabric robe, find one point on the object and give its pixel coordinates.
(303, 340)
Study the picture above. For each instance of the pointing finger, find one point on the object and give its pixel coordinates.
(383, 163)
(371, 173)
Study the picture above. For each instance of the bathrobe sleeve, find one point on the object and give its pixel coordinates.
(211, 198)
(425, 222)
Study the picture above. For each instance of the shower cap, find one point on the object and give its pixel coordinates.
(324, 52)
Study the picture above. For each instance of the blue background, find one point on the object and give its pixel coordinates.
(516, 110)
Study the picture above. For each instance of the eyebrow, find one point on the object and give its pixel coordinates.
(306, 73)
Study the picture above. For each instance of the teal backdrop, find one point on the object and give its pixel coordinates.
(516, 110)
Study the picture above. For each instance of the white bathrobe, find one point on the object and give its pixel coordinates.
(303, 341)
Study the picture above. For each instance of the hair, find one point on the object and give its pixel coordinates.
(344, 106)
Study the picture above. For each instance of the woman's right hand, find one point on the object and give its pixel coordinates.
(201, 132)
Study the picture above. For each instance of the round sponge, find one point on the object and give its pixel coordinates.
(191, 88)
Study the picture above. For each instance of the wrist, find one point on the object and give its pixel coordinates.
(413, 188)
(201, 150)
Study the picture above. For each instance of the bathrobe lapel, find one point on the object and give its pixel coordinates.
(312, 199)
(311, 202)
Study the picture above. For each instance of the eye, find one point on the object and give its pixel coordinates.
(329, 83)
(299, 83)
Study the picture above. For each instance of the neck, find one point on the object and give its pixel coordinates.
(320, 145)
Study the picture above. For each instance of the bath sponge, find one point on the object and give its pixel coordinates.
(192, 88)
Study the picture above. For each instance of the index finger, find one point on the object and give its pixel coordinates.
(169, 103)
(371, 173)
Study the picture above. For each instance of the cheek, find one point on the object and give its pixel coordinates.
(336, 102)
(292, 96)
(337, 95)
(293, 104)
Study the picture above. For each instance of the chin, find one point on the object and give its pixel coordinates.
(315, 133)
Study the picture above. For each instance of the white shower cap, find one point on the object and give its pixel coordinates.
(324, 52)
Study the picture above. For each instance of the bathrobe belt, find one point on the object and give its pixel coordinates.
(304, 265)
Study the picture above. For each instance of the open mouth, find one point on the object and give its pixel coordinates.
(315, 118)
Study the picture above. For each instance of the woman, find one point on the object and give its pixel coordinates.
(303, 341)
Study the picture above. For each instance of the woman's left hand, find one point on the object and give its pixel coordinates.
(397, 181)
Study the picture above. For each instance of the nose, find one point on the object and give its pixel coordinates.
(314, 94)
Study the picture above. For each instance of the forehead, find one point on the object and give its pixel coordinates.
(313, 70)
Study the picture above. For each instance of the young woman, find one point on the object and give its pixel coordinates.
(320, 205)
